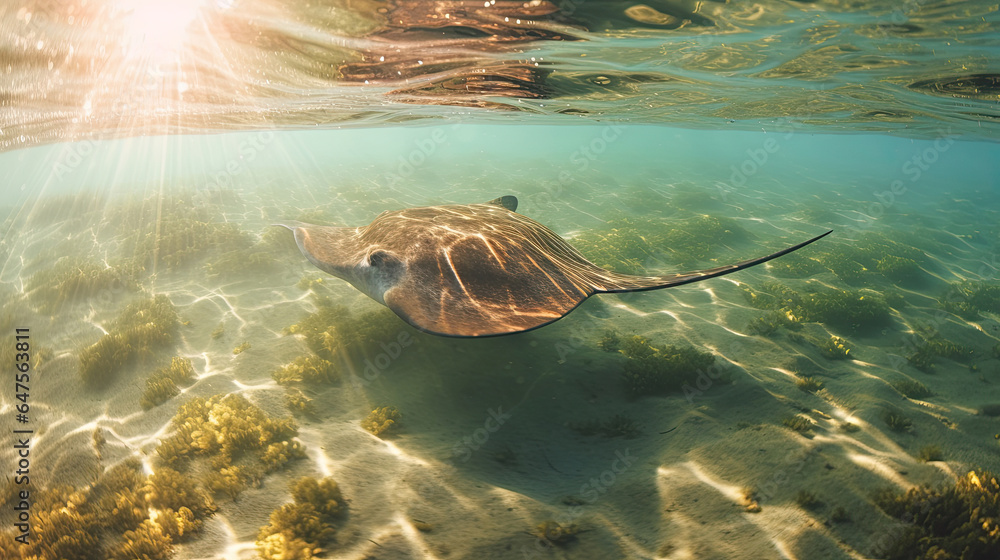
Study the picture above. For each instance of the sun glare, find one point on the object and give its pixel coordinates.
(158, 27)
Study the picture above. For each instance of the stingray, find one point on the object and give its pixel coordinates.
(475, 270)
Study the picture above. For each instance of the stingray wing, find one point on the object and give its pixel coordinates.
(478, 287)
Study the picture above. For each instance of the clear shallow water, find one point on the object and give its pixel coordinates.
(759, 118)
(483, 493)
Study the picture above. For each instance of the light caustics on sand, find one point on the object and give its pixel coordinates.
(775, 523)
(234, 548)
(639, 313)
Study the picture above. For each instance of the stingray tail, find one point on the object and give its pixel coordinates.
(625, 283)
(290, 224)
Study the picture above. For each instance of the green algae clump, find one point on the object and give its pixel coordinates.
(64, 526)
(911, 388)
(799, 424)
(930, 453)
(807, 499)
(628, 243)
(836, 348)
(120, 496)
(854, 309)
(297, 402)
(967, 299)
(897, 269)
(127, 515)
(895, 419)
(795, 266)
(309, 369)
(178, 524)
(164, 383)
(809, 384)
(309, 283)
(111, 519)
(147, 542)
(555, 533)
(74, 278)
(332, 332)
(324, 495)
(770, 322)
(295, 532)
(959, 522)
(242, 263)
(926, 353)
(299, 530)
(694, 239)
(227, 481)
(655, 371)
(381, 420)
(847, 308)
(610, 342)
(171, 232)
(169, 489)
(872, 254)
(620, 248)
(141, 328)
(239, 440)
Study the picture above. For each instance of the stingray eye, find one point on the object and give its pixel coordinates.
(377, 258)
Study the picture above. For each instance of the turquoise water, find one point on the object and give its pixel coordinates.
(188, 367)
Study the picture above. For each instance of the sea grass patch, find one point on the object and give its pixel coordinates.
(850, 309)
(142, 328)
(958, 521)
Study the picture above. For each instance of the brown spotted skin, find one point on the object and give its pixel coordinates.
(473, 270)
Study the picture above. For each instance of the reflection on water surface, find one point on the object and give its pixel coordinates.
(123, 67)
